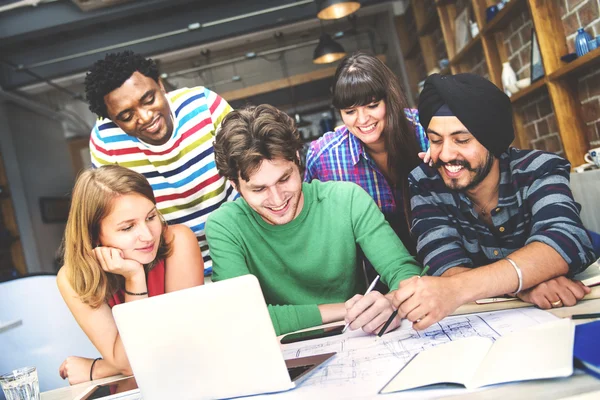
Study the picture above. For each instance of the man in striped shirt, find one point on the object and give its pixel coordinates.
(167, 137)
(489, 220)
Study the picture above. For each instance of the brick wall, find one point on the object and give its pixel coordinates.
(540, 125)
(586, 14)
(476, 63)
(517, 42)
(589, 93)
(539, 121)
(580, 13)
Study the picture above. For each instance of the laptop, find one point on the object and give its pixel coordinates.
(207, 342)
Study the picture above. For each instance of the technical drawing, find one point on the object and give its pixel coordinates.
(363, 364)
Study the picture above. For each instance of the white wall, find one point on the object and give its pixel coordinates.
(45, 167)
(17, 191)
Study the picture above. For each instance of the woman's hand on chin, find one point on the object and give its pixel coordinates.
(111, 260)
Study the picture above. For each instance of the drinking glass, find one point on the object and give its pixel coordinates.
(21, 384)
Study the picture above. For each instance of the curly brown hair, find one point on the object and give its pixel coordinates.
(250, 135)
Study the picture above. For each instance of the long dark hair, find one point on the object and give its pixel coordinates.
(361, 79)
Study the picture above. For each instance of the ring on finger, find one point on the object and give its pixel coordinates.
(557, 304)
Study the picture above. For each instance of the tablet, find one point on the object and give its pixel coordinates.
(103, 390)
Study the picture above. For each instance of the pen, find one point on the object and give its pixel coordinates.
(585, 316)
(371, 286)
(391, 318)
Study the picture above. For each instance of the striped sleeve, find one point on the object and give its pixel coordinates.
(219, 108)
(555, 219)
(439, 243)
(100, 153)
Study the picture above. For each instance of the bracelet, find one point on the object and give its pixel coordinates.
(135, 294)
(92, 367)
(519, 275)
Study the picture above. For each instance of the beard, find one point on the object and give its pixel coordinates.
(481, 172)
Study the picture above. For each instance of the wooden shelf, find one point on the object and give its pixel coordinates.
(465, 50)
(412, 49)
(588, 60)
(529, 91)
(505, 16)
(430, 25)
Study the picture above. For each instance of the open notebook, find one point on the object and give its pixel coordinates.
(543, 351)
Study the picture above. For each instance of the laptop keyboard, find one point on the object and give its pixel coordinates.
(297, 371)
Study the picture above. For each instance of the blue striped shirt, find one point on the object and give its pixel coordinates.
(535, 204)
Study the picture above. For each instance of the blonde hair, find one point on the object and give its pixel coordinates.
(91, 202)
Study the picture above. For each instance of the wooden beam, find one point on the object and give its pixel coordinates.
(549, 32)
(489, 44)
(571, 126)
(428, 51)
(447, 15)
(283, 83)
(520, 135)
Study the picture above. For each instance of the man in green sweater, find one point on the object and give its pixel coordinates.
(299, 239)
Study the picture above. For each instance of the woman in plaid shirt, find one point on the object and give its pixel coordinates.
(378, 145)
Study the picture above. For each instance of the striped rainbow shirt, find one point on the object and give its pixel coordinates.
(182, 172)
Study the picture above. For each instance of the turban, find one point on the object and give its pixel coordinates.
(480, 106)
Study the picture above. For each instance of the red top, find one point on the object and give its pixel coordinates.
(155, 283)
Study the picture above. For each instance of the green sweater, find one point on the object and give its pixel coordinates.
(311, 260)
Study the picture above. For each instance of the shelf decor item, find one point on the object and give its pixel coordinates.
(474, 28)
(581, 42)
(592, 44)
(509, 79)
(491, 12)
(462, 29)
(536, 67)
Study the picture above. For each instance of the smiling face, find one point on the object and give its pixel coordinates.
(140, 108)
(274, 191)
(366, 122)
(133, 226)
(460, 159)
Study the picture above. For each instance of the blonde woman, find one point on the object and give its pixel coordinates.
(118, 248)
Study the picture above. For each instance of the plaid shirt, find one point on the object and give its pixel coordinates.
(535, 204)
(340, 156)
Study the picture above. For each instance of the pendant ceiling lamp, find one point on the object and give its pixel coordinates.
(328, 50)
(334, 9)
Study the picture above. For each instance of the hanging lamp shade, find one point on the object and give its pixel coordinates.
(334, 9)
(328, 50)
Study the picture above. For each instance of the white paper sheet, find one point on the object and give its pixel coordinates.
(363, 365)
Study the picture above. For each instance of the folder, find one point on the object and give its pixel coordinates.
(586, 349)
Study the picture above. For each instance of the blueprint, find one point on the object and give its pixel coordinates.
(363, 365)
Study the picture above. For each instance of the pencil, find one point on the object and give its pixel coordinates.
(585, 316)
(391, 318)
(371, 286)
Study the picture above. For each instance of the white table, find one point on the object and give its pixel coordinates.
(548, 389)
